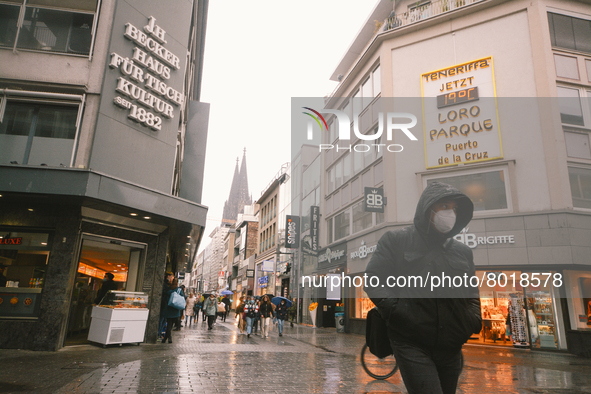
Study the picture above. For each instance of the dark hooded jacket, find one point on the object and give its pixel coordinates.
(446, 316)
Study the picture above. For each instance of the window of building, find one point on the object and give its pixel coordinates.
(570, 33)
(361, 220)
(342, 224)
(577, 144)
(571, 109)
(43, 27)
(369, 89)
(580, 185)
(38, 132)
(487, 189)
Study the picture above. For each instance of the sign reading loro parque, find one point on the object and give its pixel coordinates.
(461, 121)
(144, 75)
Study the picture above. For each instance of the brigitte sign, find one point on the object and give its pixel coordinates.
(461, 122)
(144, 76)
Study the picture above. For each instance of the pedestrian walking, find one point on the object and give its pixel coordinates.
(178, 322)
(251, 309)
(281, 312)
(239, 315)
(222, 310)
(427, 329)
(228, 305)
(257, 317)
(168, 312)
(266, 310)
(190, 309)
(203, 299)
(292, 311)
(210, 309)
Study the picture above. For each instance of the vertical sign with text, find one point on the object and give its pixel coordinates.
(314, 222)
(292, 232)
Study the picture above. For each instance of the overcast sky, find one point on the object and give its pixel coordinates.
(258, 55)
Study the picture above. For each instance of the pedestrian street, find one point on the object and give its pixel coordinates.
(304, 360)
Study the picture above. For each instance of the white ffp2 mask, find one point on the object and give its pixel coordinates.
(444, 220)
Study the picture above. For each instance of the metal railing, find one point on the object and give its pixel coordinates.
(425, 11)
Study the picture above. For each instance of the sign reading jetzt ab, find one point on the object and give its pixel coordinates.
(461, 122)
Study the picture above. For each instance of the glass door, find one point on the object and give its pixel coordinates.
(98, 256)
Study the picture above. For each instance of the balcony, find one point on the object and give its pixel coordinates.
(424, 11)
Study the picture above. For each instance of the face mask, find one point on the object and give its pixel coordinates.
(444, 220)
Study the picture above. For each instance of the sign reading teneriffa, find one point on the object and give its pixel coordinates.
(461, 122)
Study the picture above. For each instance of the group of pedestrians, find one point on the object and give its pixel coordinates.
(253, 313)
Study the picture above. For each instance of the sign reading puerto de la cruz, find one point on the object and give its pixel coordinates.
(461, 121)
(142, 86)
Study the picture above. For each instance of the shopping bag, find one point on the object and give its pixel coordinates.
(376, 334)
(176, 300)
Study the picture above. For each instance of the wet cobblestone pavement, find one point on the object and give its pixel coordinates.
(304, 360)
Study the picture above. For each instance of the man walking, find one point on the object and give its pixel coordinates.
(426, 327)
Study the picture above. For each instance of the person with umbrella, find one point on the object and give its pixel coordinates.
(267, 311)
(281, 312)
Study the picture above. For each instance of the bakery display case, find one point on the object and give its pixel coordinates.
(119, 318)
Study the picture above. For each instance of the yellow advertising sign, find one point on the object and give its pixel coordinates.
(460, 114)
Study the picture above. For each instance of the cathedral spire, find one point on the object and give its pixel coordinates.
(239, 195)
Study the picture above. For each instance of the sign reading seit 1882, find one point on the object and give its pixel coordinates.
(461, 122)
(143, 85)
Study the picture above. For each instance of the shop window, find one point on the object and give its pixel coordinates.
(67, 30)
(25, 256)
(570, 33)
(37, 133)
(488, 190)
(541, 315)
(580, 186)
(362, 302)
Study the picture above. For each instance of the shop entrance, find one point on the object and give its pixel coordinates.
(99, 255)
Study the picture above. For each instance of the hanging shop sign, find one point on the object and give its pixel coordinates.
(264, 281)
(460, 114)
(363, 251)
(268, 265)
(250, 273)
(143, 86)
(336, 254)
(373, 199)
(314, 225)
(292, 232)
(472, 241)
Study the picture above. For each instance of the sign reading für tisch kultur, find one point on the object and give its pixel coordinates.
(144, 76)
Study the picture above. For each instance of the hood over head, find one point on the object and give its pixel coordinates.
(434, 192)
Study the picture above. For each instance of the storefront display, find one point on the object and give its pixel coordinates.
(541, 319)
(517, 320)
(119, 318)
(24, 256)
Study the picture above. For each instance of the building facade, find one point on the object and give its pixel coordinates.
(102, 146)
(513, 135)
(273, 261)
